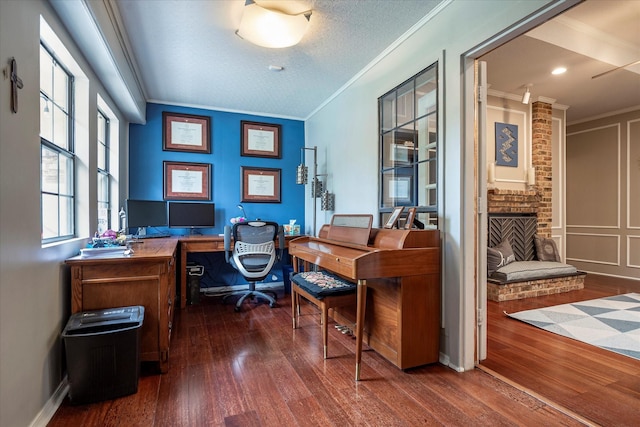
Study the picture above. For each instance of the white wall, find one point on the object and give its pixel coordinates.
(345, 131)
(34, 284)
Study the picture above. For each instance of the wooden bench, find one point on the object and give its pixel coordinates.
(325, 291)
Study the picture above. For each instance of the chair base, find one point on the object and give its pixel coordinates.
(269, 296)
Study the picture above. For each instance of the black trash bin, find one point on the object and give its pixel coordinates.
(103, 353)
(194, 273)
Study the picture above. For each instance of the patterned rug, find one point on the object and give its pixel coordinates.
(612, 323)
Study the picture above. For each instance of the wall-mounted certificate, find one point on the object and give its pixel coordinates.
(260, 140)
(187, 181)
(183, 132)
(260, 185)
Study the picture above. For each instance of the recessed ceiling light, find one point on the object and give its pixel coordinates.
(559, 70)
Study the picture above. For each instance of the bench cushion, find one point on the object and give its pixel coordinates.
(321, 283)
(532, 270)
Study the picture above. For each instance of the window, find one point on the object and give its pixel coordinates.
(408, 133)
(104, 175)
(57, 160)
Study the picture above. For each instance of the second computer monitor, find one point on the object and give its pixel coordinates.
(192, 215)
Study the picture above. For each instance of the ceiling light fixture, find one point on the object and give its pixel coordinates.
(559, 70)
(271, 28)
(527, 94)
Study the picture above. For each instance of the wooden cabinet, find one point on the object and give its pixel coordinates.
(146, 278)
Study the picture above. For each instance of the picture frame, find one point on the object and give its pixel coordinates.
(260, 140)
(261, 185)
(397, 190)
(393, 219)
(411, 214)
(506, 144)
(186, 132)
(187, 181)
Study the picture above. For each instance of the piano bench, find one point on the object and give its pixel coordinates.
(325, 291)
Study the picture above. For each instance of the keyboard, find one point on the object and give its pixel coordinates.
(152, 236)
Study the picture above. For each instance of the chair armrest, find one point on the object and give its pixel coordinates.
(227, 243)
(281, 242)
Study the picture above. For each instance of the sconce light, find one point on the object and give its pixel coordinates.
(302, 174)
(527, 94)
(327, 201)
(272, 28)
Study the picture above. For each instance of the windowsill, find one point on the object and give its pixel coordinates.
(72, 242)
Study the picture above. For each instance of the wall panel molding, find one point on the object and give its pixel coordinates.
(588, 242)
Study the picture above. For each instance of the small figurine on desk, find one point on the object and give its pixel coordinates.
(238, 219)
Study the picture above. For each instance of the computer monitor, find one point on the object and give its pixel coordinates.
(146, 213)
(192, 215)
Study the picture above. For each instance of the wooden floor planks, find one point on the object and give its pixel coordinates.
(252, 369)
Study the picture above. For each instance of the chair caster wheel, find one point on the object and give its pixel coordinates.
(236, 309)
(272, 304)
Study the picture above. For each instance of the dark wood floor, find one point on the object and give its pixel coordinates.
(601, 386)
(251, 369)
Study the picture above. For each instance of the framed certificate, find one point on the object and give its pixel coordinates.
(260, 140)
(184, 132)
(187, 181)
(260, 184)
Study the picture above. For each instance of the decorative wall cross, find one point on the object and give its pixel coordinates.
(16, 83)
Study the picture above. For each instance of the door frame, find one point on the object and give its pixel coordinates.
(475, 194)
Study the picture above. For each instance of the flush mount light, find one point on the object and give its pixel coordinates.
(559, 70)
(272, 28)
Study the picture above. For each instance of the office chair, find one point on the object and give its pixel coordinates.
(254, 253)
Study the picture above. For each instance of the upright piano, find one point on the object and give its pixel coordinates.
(397, 313)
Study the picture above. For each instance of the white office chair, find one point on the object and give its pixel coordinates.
(254, 254)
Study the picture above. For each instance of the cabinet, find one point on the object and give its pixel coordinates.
(145, 278)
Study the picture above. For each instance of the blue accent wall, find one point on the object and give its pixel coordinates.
(146, 180)
(146, 158)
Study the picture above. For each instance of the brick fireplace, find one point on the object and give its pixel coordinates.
(534, 200)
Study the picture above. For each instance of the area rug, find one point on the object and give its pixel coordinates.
(612, 323)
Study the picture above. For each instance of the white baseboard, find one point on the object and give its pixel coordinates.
(49, 409)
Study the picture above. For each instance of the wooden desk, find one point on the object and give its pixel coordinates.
(203, 243)
(145, 278)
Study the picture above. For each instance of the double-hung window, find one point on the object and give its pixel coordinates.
(408, 133)
(104, 174)
(57, 187)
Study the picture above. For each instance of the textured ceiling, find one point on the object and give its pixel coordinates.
(187, 52)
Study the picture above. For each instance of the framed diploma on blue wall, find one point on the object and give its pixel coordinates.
(187, 181)
(186, 132)
(260, 140)
(260, 184)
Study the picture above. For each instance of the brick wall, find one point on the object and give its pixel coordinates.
(536, 198)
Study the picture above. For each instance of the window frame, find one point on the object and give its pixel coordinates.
(103, 146)
(67, 152)
(402, 172)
